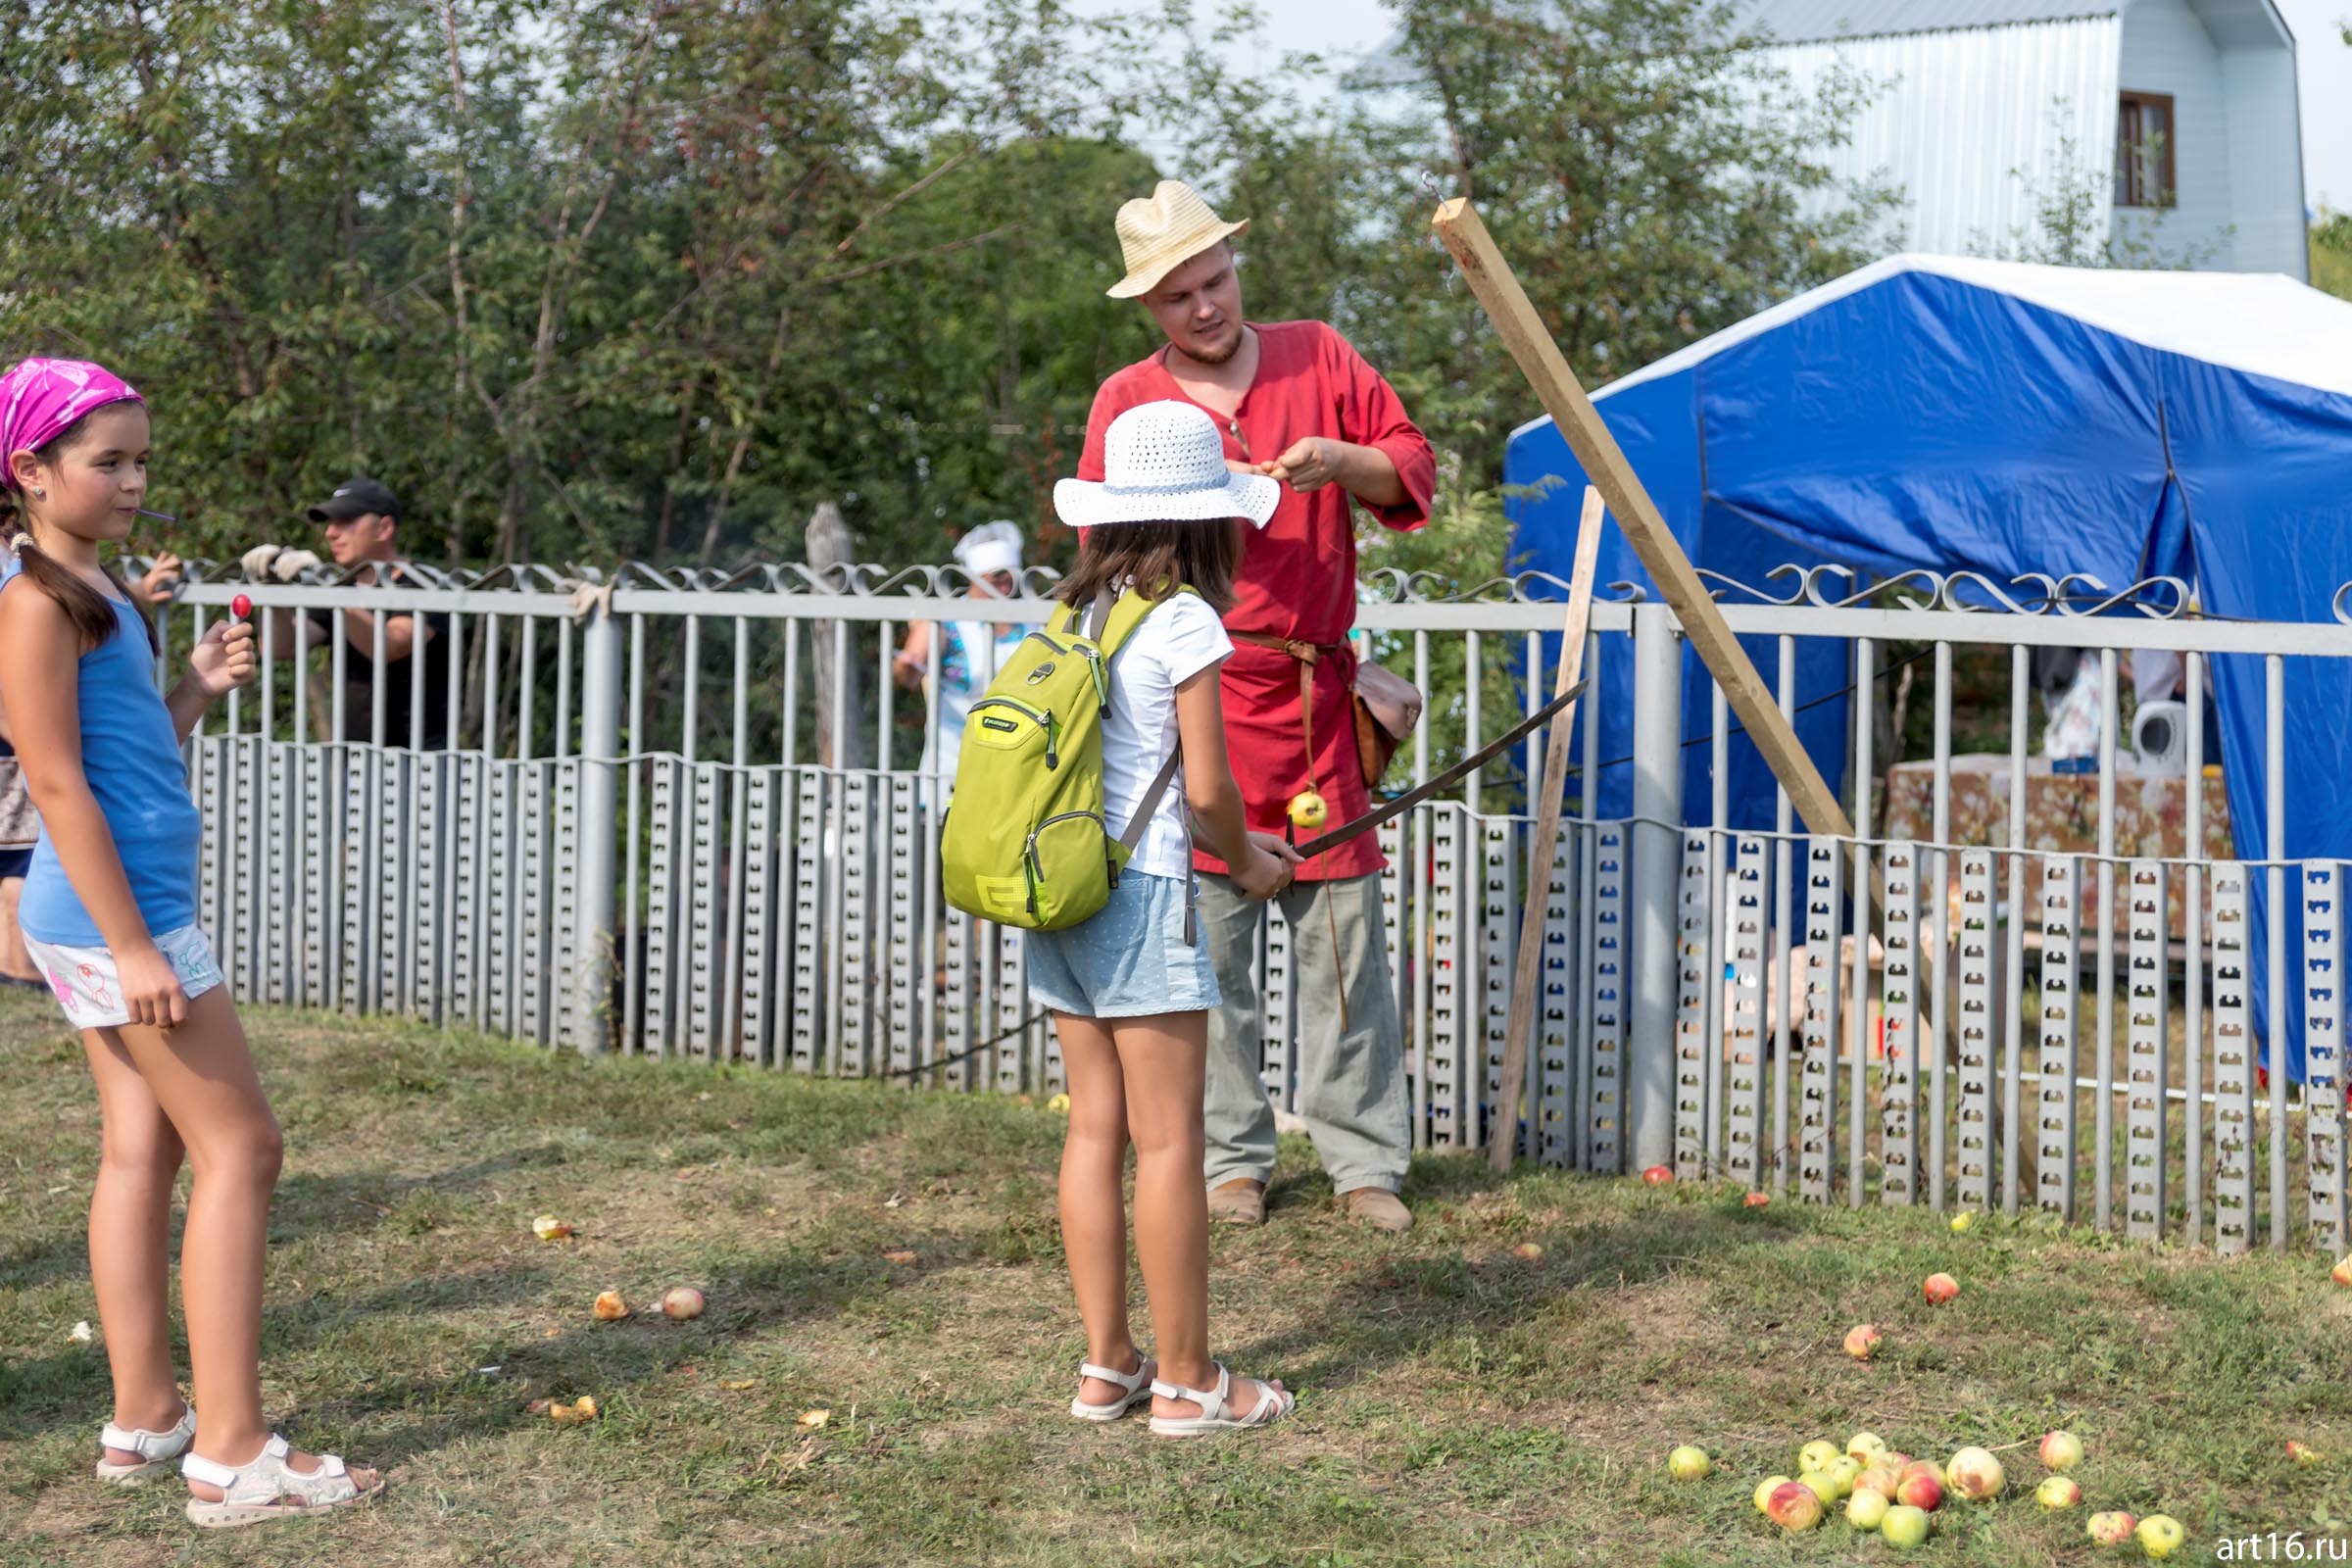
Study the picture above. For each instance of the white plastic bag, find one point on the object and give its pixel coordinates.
(2072, 731)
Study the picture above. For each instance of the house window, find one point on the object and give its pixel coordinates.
(2143, 150)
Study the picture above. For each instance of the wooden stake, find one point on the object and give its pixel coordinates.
(1556, 386)
(1522, 1024)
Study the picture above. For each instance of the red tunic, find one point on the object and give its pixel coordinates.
(1297, 577)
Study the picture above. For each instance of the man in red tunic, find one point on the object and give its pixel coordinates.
(1294, 402)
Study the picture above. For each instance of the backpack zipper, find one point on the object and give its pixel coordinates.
(1036, 868)
(1041, 715)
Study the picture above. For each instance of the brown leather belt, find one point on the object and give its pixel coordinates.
(1307, 654)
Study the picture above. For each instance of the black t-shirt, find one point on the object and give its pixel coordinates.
(358, 681)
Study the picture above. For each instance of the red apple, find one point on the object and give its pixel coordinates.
(2112, 1529)
(1658, 1175)
(1879, 1477)
(1756, 1200)
(2058, 1491)
(1940, 1288)
(1793, 1507)
(2301, 1453)
(1862, 1342)
(1919, 1489)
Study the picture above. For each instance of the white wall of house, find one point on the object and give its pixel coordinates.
(1961, 115)
(2167, 49)
(2266, 166)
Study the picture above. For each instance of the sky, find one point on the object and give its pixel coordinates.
(1344, 30)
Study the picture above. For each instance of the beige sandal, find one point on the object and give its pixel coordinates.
(265, 1488)
(1274, 1401)
(156, 1450)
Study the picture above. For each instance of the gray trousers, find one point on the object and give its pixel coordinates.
(1351, 1090)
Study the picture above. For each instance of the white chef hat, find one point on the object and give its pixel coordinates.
(991, 547)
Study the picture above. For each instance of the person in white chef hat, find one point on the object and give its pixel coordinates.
(962, 656)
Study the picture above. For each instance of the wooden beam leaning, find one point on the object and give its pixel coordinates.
(1539, 359)
(1521, 1024)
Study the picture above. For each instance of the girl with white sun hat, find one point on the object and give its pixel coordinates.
(1131, 986)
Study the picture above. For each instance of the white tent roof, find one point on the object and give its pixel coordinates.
(2258, 323)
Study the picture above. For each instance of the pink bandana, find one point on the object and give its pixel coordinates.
(41, 398)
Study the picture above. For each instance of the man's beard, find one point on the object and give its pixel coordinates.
(1214, 357)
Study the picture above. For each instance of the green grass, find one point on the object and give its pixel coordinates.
(1459, 1403)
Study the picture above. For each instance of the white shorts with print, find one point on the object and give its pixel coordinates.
(90, 992)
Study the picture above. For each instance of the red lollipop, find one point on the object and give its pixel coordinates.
(242, 605)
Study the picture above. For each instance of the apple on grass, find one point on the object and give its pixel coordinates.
(2058, 1491)
(1975, 1475)
(1845, 1470)
(1822, 1485)
(2159, 1535)
(2343, 1272)
(1687, 1463)
(1817, 1455)
(1940, 1288)
(1866, 1509)
(2112, 1529)
(1764, 1491)
(2061, 1450)
(1659, 1175)
(1793, 1507)
(682, 1301)
(1904, 1527)
(2301, 1453)
(1867, 1446)
(1862, 1342)
(1919, 1489)
(1879, 1477)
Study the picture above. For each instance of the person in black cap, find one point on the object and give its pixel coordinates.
(361, 524)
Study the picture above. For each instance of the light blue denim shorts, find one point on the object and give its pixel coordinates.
(1130, 961)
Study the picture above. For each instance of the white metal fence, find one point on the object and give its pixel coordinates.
(675, 821)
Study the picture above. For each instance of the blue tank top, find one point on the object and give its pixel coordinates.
(131, 755)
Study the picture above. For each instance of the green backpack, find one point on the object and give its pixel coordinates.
(1025, 844)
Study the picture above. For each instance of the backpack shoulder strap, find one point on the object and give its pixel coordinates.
(1112, 630)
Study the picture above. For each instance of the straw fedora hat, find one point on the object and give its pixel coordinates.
(1161, 231)
(1163, 463)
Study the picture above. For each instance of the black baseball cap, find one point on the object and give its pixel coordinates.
(356, 498)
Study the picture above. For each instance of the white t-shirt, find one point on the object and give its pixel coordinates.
(1176, 640)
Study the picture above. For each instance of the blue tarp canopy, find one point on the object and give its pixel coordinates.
(1955, 414)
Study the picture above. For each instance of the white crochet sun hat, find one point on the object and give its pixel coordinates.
(1163, 463)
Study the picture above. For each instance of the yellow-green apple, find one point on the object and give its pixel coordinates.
(1904, 1527)
(2061, 1450)
(1963, 1220)
(1793, 1507)
(1845, 1470)
(1689, 1463)
(1975, 1474)
(2058, 1491)
(2112, 1529)
(2301, 1453)
(1866, 1510)
(1817, 1455)
(1822, 1485)
(1865, 1446)
(2159, 1535)
(682, 1301)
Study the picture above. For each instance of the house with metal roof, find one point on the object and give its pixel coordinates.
(2183, 113)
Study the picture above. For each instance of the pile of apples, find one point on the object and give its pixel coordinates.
(1893, 1494)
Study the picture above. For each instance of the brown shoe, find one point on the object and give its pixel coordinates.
(1239, 1201)
(1377, 1208)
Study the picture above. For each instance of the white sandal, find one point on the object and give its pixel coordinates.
(156, 1450)
(1215, 1414)
(265, 1488)
(1136, 1383)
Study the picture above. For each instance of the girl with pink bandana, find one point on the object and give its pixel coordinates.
(109, 914)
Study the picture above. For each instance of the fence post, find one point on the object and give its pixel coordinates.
(600, 813)
(1656, 863)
